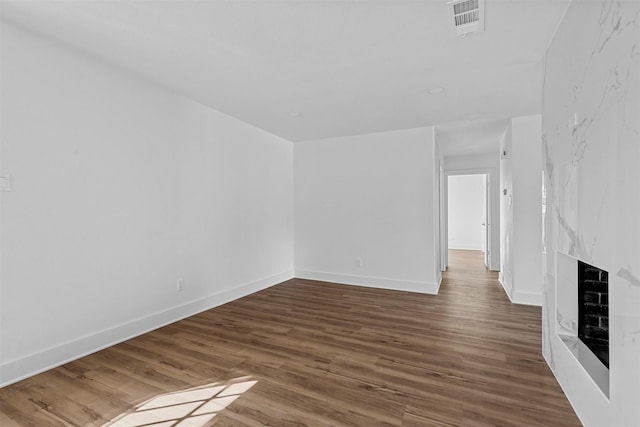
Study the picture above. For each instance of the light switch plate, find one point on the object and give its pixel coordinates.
(5, 183)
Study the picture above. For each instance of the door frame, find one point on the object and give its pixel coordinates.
(493, 214)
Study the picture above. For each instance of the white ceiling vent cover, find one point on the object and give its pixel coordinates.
(467, 16)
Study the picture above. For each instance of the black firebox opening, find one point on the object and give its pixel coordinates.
(593, 310)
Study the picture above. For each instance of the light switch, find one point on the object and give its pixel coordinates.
(5, 183)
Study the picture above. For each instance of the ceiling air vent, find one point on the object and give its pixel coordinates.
(467, 16)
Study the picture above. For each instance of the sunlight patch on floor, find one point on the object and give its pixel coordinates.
(193, 407)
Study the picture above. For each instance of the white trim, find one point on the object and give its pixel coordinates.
(493, 205)
(507, 290)
(35, 363)
(527, 298)
(439, 283)
(466, 247)
(371, 282)
(524, 298)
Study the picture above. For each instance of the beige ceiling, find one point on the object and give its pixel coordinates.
(309, 69)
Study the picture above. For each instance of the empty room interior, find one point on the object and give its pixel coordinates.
(320, 213)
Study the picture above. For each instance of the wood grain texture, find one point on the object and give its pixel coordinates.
(323, 355)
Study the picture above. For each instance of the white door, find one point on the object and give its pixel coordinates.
(486, 241)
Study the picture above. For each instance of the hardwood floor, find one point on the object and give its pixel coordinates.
(306, 353)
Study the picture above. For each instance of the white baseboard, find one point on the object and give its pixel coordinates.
(465, 247)
(439, 283)
(525, 298)
(19, 369)
(507, 289)
(371, 282)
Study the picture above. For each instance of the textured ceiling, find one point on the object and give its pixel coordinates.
(316, 68)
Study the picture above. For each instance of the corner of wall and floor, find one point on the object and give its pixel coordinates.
(131, 206)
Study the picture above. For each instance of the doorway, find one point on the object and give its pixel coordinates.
(468, 217)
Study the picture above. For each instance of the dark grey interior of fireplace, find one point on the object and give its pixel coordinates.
(593, 310)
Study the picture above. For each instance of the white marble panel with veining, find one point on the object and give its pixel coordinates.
(591, 146)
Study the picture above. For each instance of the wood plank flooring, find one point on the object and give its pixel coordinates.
(306, 353)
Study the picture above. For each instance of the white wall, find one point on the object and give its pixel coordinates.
(527, 208)
(370, 197)
(506, 212)
(590, 112)
(489, 164)
(521, 208)
(439, 210)
(466, 211)
(120, 188)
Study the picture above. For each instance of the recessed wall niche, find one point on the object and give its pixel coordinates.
(582, 316)
(593, 310)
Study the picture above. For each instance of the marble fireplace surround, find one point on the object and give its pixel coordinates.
(591, 203)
